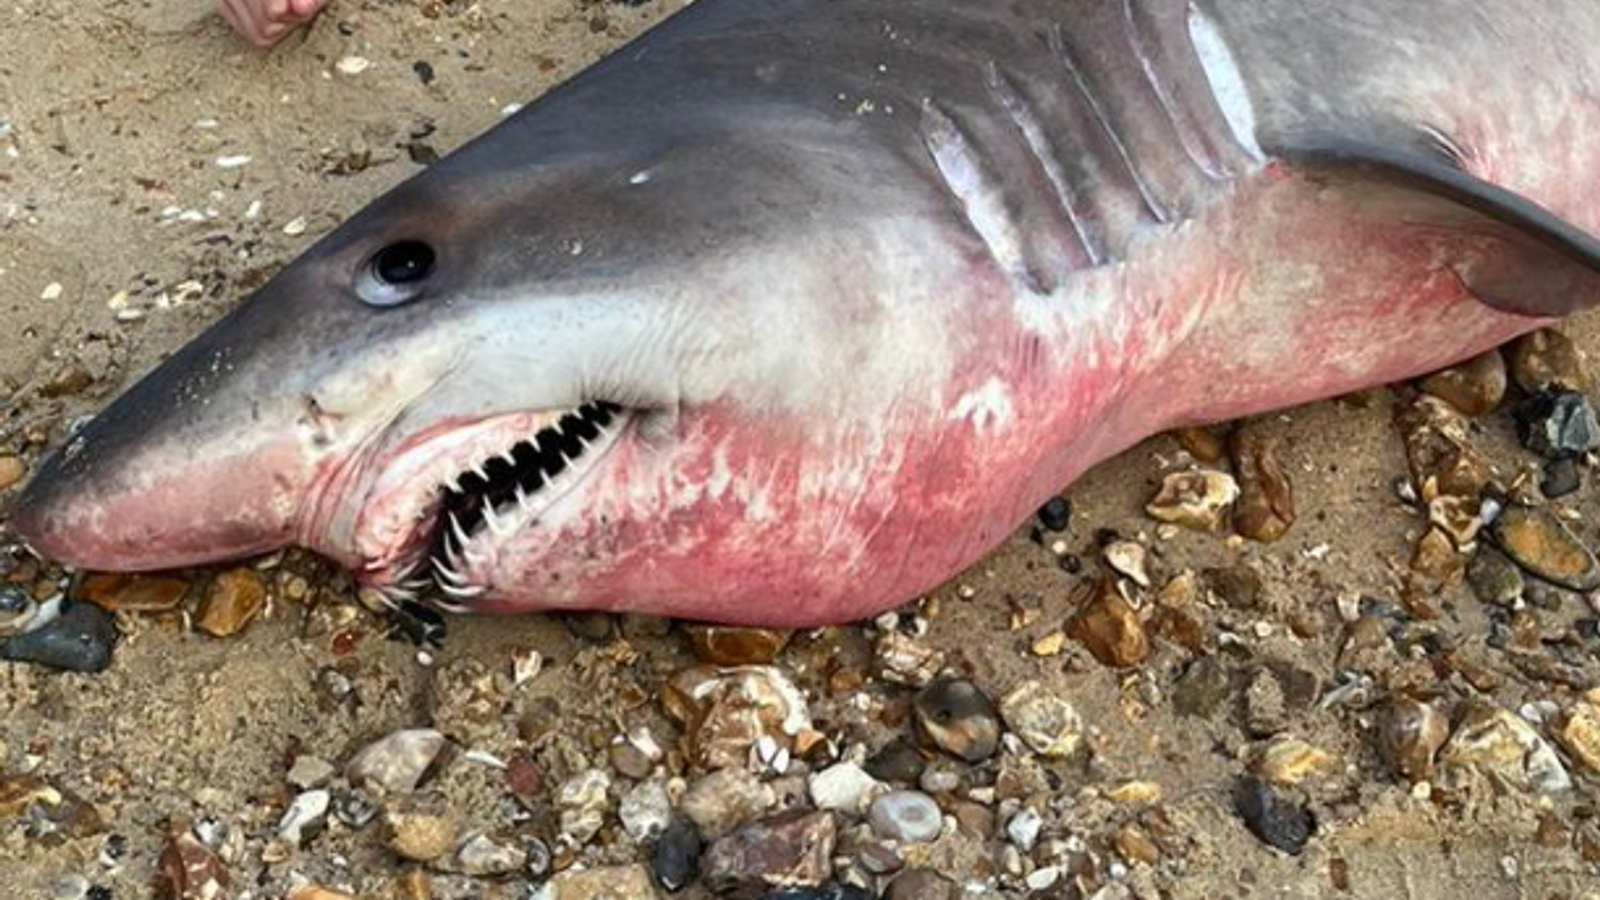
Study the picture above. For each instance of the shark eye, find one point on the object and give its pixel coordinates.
(396, 274)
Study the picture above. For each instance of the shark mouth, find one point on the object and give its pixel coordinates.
(490, 481)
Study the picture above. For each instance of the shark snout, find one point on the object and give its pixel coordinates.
(158, 506)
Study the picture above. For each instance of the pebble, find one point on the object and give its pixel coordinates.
(1538, 541)
(1494, 578)
(1238, 586)
(396, 763)
(1266, 710)
(1023, 829)
(1130, 560)
(897, 761)
(922, 884)
(1562, 478)
(1202, 688)
(80, 639)
(310, 772)
(481, 855)
(1290, 761)
(1558, 424)
(1055, 515)
(1044, 720)
(630, 761)
(726, 711)
(1502, 745)
(1201, 443)
(1439, 449)
(955, 716)
(1264, 511)
(675, 858)
(134, 593)
(306, 814)
(1578, 731)
(725, 645)
(910, 817)
(1274, 819)
(1108, 626)
(843, 787)
(607, 883)
(232, 602)
(582, 800)
(792, 849)
(1410, 736)
(1546, 360)
(903, 659)
(1475, 387)
(1136, 847)
(1198, 500)
(353, 65)
(12, 471)
(645, 811)
(188, 870)
(421, 827)
(719, 802)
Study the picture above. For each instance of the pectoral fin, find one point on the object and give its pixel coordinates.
(1526, 260)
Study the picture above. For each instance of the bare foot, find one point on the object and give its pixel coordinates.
(265, 22)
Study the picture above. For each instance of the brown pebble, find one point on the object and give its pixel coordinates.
(1201, 443)
(232, 602)
(725, 645)
(1474, 388)
(1578, 732)
(1546, 360)
(1265, 509)
(1109, 626)
(187, 870)
(317, 892)
(134, 593)
(1238, 586)
(69, 380)
(1540, 543)
(12, 471)
(1437, 559)
(1197, 500)
(1410, 735)
(1136, 847)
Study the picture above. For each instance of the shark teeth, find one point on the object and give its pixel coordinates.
(499, 494)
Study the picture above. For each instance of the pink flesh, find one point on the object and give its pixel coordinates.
(1218, 336)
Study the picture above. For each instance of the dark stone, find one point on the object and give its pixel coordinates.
(1238, 586)
(424, 70)
(954, 715)
(1071, 564)
(675, 859)
(1202, 688)
(99, 892)
(79, 640)
(422, 625)
(1273, 818)
(1588, 629)
(1056, 514)
(1558, 424)
(1562, 477)
(899, 761)
(593, 627)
